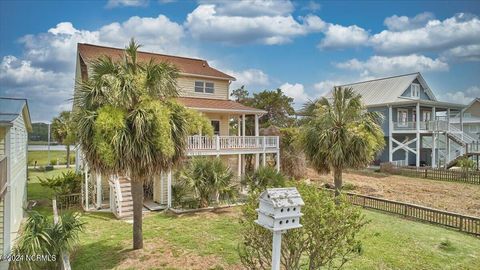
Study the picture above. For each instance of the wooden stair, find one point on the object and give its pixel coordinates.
(124, 207)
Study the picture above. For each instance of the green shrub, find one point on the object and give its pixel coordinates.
(265, 177)
(466, 163)
(54, 161)
(207, 178)
(41, 237)
(66, 183)
(328, 238)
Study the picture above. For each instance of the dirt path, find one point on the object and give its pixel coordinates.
(449, 196)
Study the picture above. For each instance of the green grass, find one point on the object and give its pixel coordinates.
(35, 190)
(389, 242)
(42, 157)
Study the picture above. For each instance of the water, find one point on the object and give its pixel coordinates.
(52, 148)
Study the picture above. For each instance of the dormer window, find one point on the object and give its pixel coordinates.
(415, 90)
(204, 87)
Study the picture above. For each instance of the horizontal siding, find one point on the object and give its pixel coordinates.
(186, 85)
(224, 122)
(2, 141)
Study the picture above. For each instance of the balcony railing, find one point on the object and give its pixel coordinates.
(437, 125)
(231, 143)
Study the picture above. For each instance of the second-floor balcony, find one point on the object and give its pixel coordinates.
(434, 125)
(224, 145)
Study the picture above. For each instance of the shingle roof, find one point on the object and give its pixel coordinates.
(212, 105)
(386, 90)
(187, 66)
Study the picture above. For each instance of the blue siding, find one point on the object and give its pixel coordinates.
(384, 112)
(423, 94)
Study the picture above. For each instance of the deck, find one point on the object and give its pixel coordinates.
(229, 145)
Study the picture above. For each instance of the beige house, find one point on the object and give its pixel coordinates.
(471, 119)
(14, 127)
(204, 89)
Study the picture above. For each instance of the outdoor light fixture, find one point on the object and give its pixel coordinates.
(279, 211)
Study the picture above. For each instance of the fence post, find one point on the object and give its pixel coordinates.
(405, 209)
(461, 223)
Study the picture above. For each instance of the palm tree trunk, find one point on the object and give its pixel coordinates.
(337, 180)
(68, 155)
(137, 196)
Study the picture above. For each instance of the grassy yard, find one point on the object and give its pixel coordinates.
(42, 157)
(209, 241)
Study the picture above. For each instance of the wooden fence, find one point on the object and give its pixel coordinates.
(472, 177)
(463, 223)
(65, 202)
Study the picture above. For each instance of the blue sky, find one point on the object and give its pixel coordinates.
(303, 47)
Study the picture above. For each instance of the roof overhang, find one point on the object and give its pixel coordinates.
(431, 103)
(231, 111)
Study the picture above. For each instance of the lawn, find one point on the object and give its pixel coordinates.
(209, 241)
(42, 157)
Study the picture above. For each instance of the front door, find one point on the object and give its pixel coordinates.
(216, 127)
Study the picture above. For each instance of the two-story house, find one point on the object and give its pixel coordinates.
(418, 128)
(202, 88)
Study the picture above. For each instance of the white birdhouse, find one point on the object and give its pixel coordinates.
(279, 209)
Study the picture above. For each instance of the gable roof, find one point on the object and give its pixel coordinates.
(471, 103)
(187, 66)
(11, 108)
(217, 105)
(387, 90)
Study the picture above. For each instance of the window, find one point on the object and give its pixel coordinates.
(415, 90)
(199, 86)
(402, 117)
(216, 127)
(204, 87)
(427, 116)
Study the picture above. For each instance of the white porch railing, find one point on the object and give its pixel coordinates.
(399, 163)
(222, 143)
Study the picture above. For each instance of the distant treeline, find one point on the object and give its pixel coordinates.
(39, 132)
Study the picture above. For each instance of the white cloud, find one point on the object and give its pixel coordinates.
(48, 92)
(209, 22)
(126, 3)
(463, 53)
(381, 65)
(461, 29)
(251, 78)
(323, 87)
(338, 36)
(297, 92)
(312, 6)
(45, 72)
(461, 96)
(251, 8)
(56, 48)
(402, 23)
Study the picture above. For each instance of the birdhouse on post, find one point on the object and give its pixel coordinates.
(279, 211)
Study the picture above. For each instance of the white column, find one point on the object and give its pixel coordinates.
(390, 127)
(418, 135)
(7, 203)
(85, 173)
(264, 159)
(243, 143)
(278, 161)
(257, 133)
(276, 250)
(169, 190)
(448, 119)
(243, 125)
(99, 190)
(434, 147)
(239, 133)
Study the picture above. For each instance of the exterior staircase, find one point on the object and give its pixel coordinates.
(466, 146)
(122, 203)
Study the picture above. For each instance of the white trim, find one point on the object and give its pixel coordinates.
(204, 87)
(228, 110)
(402, 123)
(207, 77)
(415, 94)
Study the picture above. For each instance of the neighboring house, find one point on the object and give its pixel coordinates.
(417, 127)
(14, 127)
(471, 119)
(204, 89)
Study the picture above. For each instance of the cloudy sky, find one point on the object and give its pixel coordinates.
(303, 47)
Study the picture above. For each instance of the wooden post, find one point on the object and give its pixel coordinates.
(390, 127)
(418, 135)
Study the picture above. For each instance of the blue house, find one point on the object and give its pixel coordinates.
(418, 128)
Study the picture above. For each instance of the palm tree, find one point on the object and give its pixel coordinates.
(63, 131)
(129, 124)
(340, 133)
(207, 178)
